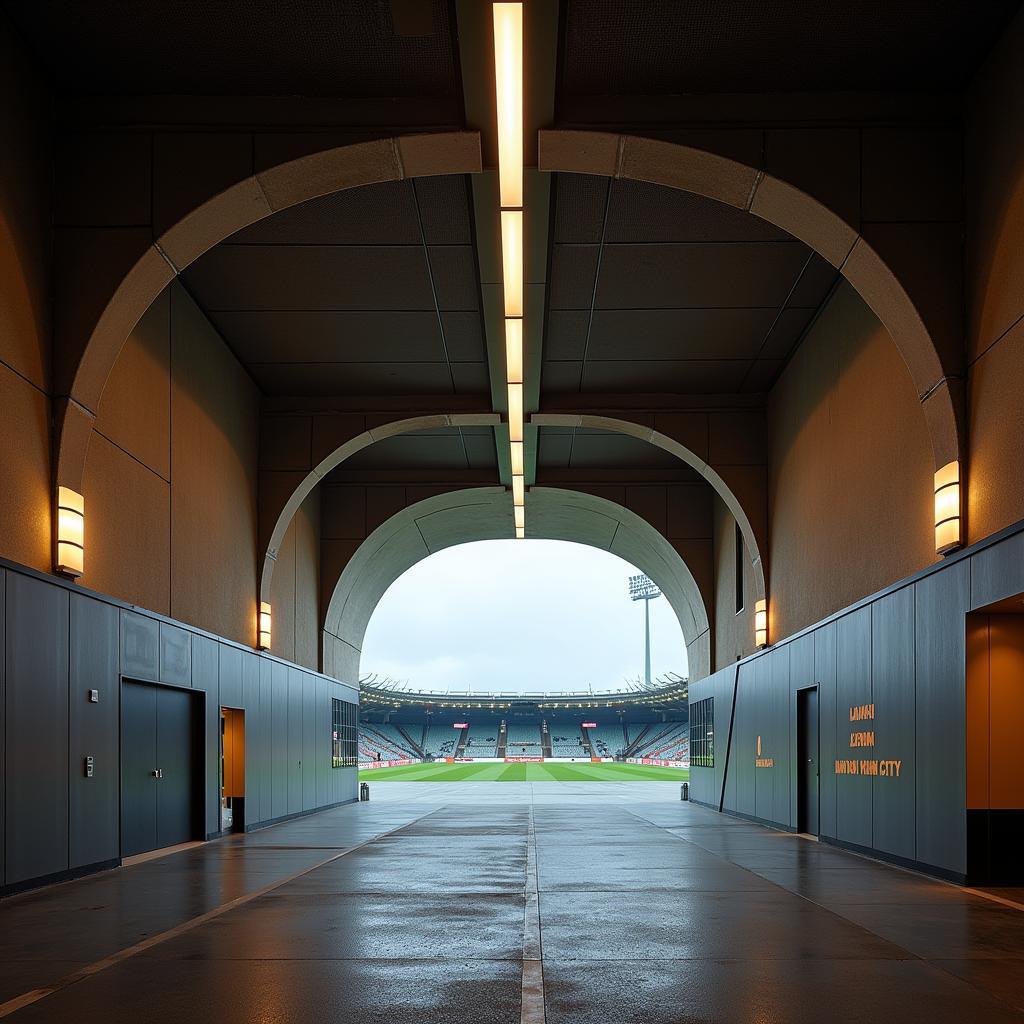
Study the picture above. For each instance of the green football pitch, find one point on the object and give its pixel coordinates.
(579, 771)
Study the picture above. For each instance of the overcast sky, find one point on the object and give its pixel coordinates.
(522, 615)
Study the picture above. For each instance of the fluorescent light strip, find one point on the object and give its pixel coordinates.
(518, 490)
(515, 412)
(520, 533)
(516, 448)
(520, 516)
(514, 350)
(512, 260)
(508, 81)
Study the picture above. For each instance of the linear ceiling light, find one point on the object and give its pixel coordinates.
(508, 80)
(515, 412)
(512, 260)
(518, 491)
(520, 516)
(520, 533)
(514, 350)
(517, 458)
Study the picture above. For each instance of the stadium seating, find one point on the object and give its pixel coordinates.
(665, 741)
(441, 741)
(568, 749)
(607, 740)
(383, 743)
(523, 740)
(481, 745)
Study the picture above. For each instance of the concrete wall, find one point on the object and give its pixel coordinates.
(170, 478)
(995, 288)
(57, 643)
(733, 631)
(25, 295)
(851, 470)
(295, 588)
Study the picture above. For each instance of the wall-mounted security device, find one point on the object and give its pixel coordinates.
(94, 696)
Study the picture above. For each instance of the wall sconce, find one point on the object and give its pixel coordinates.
(761, 623)
(70, 532)
(947, 508)
(264, 627)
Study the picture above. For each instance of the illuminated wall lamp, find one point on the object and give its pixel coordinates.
(947, 508)
(70, 532)
(263, 621)
(761, 623)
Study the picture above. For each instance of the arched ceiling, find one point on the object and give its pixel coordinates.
(485, 513)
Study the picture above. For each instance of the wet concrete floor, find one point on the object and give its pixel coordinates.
(459, 906)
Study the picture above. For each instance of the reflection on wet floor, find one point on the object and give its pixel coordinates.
(399, 910)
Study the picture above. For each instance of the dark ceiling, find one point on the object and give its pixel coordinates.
(616, 47)
(586, 448)
(661, 291)
(443, 448)
(353, 48)
(369, 291)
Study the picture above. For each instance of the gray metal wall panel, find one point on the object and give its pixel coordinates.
(323, 741)
(728, 787)
(279, 739)
(294, 740)
(36, 700)
(892, 685)
(779, 673)
(230, 677)
(998, 571)
(853, 687)
(140, 646)
(349, 783)
(801, 675)
(825, 673)
(741, 753)
(175, 655)
(941, 606)
(309, 752)
(205, 676)
(94, 814)
(3, 725)
(762, 727)
(255, 751)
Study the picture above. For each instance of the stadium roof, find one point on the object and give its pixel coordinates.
(671, 690)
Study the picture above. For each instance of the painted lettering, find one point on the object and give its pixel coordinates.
(862, 739)
(861, 712)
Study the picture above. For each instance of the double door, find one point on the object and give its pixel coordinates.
(160, 767)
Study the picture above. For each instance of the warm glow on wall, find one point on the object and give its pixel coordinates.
(514, 350)
(515, 412)
(264, 626)
(761, 623)
(947, 508)
(508, 81)
(70, 532)
(512, 260)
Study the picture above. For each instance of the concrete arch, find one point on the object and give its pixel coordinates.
(336, 458)
(680, 451)
(216, 218)
(906, 315)
(485, 513)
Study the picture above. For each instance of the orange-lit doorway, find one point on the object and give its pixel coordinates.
(232, 770)
(995, 725)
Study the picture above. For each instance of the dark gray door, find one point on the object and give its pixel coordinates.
(158, 767)
(807, 760)
(176, 759)
(138, 763)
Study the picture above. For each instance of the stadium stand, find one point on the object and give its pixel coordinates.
(606, 740)
(481, 745)
(440, 741)
(523, 740)
(383, 743)
(659, 741)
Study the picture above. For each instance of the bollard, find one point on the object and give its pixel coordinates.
(684, 791)
(364, 791)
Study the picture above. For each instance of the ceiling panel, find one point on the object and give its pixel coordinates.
(442, 448)
(578, 448)
(321, 379)
(686, 377)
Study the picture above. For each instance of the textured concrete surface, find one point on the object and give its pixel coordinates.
(557, 902)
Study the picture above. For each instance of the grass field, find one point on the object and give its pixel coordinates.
(550, 772)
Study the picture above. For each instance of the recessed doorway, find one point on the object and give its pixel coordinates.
(807, 760)
(232, 770)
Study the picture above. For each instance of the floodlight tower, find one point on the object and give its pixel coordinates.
(643, 588)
